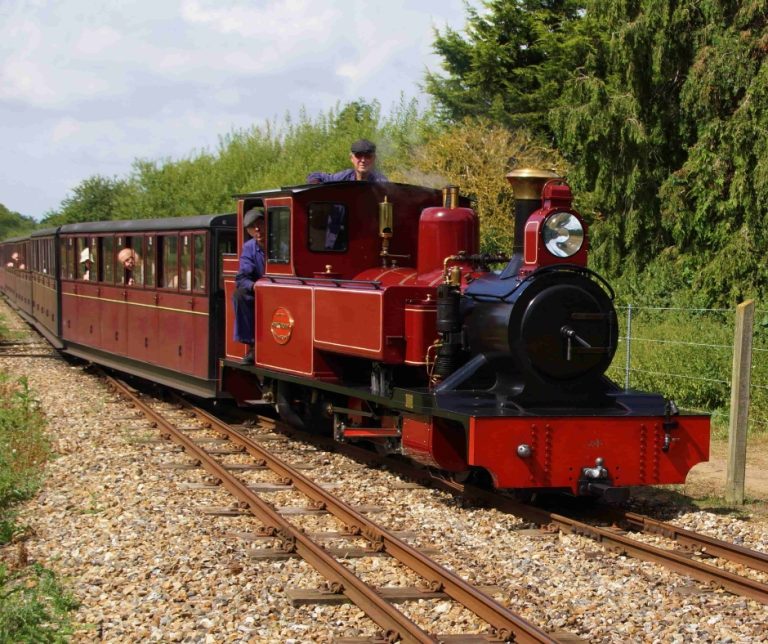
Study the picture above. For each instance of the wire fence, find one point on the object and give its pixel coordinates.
(687, 355)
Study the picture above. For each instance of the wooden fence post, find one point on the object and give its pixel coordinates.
(740, 380)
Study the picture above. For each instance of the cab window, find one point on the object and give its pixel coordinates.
(84, 260)
(279, 234)
(137, 274)
(327, 227)
(68, 259)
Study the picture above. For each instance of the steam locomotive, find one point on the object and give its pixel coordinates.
(379, 320)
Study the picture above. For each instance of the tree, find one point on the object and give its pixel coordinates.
(715, 203)
(476, 155)
(13, 224)
(512, 64)
(665, 126)
(618, 121)
(93, 199)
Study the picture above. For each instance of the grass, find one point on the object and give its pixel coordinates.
(34, 606)
(687, 355)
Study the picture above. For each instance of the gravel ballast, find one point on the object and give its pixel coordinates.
(127, 536)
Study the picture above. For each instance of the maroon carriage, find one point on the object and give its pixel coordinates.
(146, 296)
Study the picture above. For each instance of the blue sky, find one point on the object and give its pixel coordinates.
(88, 86)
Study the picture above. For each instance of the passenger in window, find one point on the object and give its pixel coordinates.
(85, 264)
(363, 157)
(128, 259)
(14, 261)
(251, 269)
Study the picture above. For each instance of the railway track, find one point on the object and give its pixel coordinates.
(624, 524)
(504, 625)
(614, 533)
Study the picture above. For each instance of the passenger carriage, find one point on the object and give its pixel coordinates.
(161, 320)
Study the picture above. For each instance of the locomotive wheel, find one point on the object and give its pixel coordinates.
(296, 406)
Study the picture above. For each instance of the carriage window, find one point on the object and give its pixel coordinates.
(137, 273)
(94, 246)
(150, 265)
(279, 234)
(108, 260)
(185, 260)
(170, 250)
(84, 260)
(67, 259)
(327, 227)
(199, 260)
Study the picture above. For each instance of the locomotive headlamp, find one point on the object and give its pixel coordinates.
(563, 234)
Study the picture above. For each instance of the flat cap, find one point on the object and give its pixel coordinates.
(250, 217)
(363, 146)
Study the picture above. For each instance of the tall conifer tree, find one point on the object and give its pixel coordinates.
(511, 65)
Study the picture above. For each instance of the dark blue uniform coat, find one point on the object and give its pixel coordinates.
(251, 268)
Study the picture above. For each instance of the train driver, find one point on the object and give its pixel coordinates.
(362, 154)
(251, 269)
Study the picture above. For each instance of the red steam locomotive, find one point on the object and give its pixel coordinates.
(378, 319)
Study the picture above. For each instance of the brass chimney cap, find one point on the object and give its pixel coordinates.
(528, 182)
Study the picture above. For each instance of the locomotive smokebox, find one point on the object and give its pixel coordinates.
(526, 184)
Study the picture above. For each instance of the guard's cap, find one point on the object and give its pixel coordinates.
(363, 146)
(252, 216)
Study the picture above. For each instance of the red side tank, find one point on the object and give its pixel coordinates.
(446, 230)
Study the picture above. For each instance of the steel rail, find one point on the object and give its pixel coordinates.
(505, 623)
(610, 538)
(680, 563)
(701, 542)
(391, 620)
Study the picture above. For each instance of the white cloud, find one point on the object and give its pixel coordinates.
(87, 86)
(66, 128)
(97, 41)
(272, 22)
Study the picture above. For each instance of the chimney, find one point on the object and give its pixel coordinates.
(527, 184)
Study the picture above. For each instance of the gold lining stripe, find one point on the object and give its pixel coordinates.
(147, 306)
